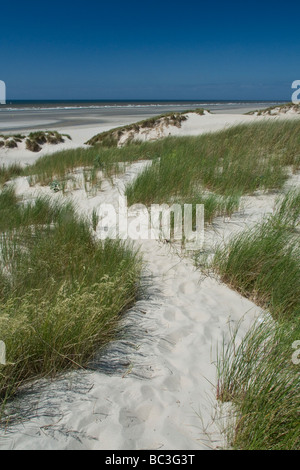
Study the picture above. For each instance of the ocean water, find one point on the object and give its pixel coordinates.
(136, 104)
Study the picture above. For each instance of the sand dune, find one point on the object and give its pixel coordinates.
(154, 387)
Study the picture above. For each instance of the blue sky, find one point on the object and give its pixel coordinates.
(149, 50)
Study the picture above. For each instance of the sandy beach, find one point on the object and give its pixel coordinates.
(155, 387)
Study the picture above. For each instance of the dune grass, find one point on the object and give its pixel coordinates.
(219, 168)
(61, 291)
(111, 161)
(175, 178)
(264, 263)
(260, 379)
(42, 210)
(9, 172)
(258, 376)
(243, 158)
(59, 165)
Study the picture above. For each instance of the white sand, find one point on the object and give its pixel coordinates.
(194, 125)
(154, 388)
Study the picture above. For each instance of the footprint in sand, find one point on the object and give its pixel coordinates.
(133, 426)
(172, 313)
(188, 288)
(172, 384)
(148, 393)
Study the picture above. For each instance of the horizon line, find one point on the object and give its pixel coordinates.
(143, 99)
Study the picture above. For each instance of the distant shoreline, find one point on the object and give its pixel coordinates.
(52, 115)
(99, 104)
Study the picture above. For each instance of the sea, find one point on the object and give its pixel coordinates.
(128, 104)
(18, 116)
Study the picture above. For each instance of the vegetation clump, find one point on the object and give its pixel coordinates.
(10, 141)
(34, 141)
(62, 293)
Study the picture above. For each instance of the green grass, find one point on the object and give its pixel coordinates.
(60, 165)
(258, 376)
(260, 380)
(9, 172)
(14, 214)
(61, 292)
(264, 263)
(111, 161)
(218, 168)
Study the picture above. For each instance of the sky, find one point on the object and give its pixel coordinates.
(163, 49)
